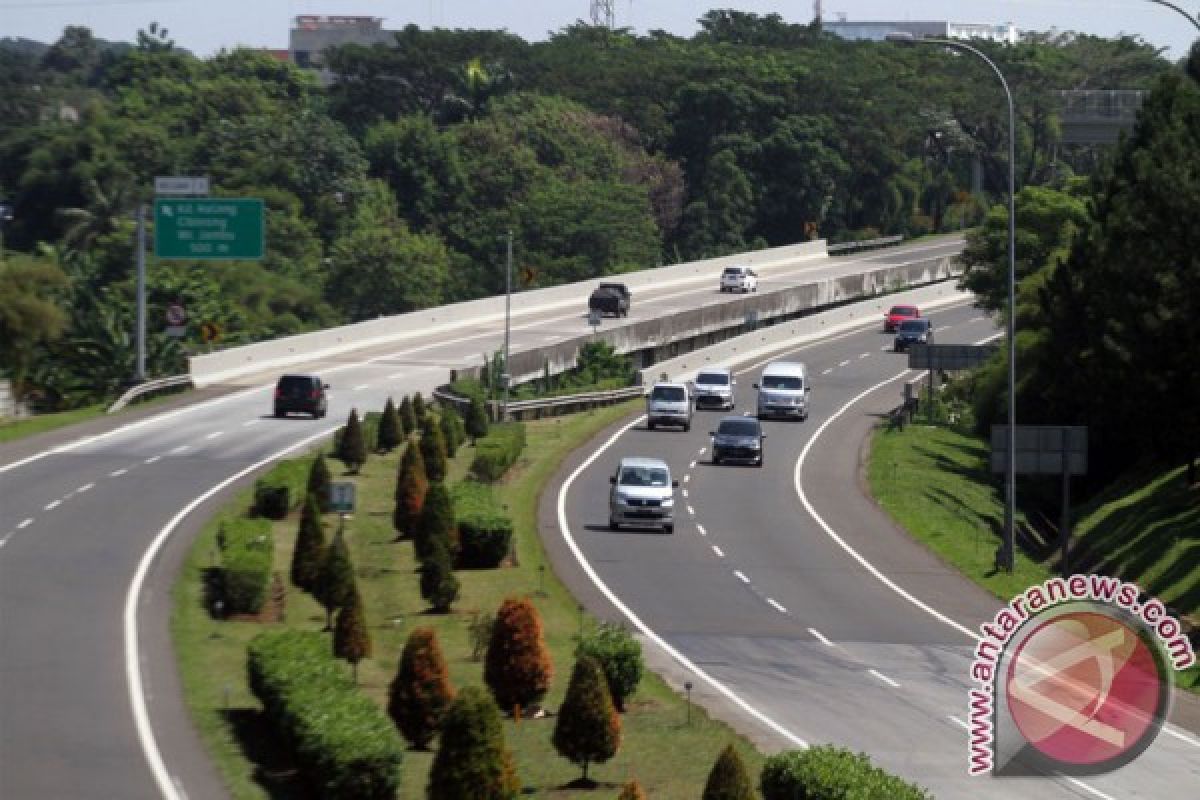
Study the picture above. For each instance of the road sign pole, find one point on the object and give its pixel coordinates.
(1065, 522)
(506, 373)
(141, 293)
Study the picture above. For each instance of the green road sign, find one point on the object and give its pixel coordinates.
(208, 228)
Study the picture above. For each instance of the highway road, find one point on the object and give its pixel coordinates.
(92, 531)
(797, 610)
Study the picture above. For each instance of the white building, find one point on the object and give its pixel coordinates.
(878, 31)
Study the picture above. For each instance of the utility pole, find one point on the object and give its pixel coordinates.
(506, 374)
(140, 375)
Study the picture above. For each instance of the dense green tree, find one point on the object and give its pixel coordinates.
(517, 666)
(29, 316)
(433, 451)
(388, 435)
(351, 639)
(435, 523)
(419, 410)
(352, 445)
(439, 585)
(472, 761)
(335, 587)
(309, 552)
(421, 692)
(450, 423)
(588, 728)
(421, 166)
(476, 421)
(319, 481)
(411, 486)
(620, 657)
(408, 419)
(729, 779)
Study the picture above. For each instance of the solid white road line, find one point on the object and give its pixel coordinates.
(820, 637)
(884, 678)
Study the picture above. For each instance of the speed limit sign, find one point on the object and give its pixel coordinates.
(176, 315)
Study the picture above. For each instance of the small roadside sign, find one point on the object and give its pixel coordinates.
(341, 497)
(176, 331)
(210, 331)
(594, 318)
(181, 185)
(176, 315)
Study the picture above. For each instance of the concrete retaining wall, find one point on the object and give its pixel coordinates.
(237, 361)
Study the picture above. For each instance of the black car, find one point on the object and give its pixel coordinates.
(738, 439)
(611, 298)
(304, 394)
(912, 331)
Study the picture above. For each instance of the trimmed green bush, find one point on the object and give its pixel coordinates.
(341, 738)
(832, 773)
(484, 529)
(247, 549)
(281, 489)
(498, 451)
(619, 655)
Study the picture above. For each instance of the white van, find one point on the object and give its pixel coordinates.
(783, 390)
(669, 404)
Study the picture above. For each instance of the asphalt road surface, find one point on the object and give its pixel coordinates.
(780, 628)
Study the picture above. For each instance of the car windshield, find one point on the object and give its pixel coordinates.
(913, 326)
(713, 379)
(669, 394)
(903, 311)
(734, 271)
(738, 427)
(643, 476)
(794, 382)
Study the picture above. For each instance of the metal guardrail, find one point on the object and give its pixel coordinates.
(864, 245)
(149, 387)
(544, 406)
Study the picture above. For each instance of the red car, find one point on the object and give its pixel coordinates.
(897, 314)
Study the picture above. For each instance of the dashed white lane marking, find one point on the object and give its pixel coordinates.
(687, 478)
(820, 637)
(691, 511)
(776, 606)
(702, 450)
(885, 348)
(183, 448)
(827, 371)
(86, 487)
(702, 531)
(884, 678)
(362, 386)
(551, 338)
(692, 465)
(717, 550)
(116, 473)
(741, 576)
(864, 355)
(843, 363)
(685, 494)
(976, 319)
(942, 328)
(25, 523)
(959, 722)
(397, 376)
(215, 434)
(249, 422)
(151, 459)
(53, 505)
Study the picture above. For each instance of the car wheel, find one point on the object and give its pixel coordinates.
(759, 463)
(280, 414)
(650, 426)
(669, 528)
(612, 525)
(687, 426)
(716, 459)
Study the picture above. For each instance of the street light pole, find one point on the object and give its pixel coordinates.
(1007, 551)
(506, 375)
(1194, 20)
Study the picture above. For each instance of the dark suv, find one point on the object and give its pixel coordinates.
(738, 439)
(301, 393)
(913, 331)
(611, 298)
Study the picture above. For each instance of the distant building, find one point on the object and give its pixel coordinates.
(313, 34)
(878, 31)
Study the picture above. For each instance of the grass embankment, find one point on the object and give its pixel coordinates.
(935, 482)
(670, 758)
(13, 429)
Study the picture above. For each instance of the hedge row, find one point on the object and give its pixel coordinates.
(484, 529)
(281, 489)
(498, 451)
(247, 552)
(344, 741)
(832, 773)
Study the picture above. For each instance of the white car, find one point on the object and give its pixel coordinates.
(739, 279)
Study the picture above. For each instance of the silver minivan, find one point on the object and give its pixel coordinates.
(783, 390)
(669, 404)
(714, 388)
(642, 494)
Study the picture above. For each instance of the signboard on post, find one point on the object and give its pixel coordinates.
(181, 185)
(209, 228)
(341, 497)
(1042, 449)
(949, 357)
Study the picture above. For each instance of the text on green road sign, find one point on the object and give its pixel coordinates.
(208, 228)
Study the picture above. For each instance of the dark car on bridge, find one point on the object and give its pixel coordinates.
(303, 394)
(738, 439)
(611, 298)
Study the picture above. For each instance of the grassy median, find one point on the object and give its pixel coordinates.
(668, 756)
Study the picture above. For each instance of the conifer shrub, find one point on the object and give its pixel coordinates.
(476, 421)
(450, 422)
(309, 552)
(439, 584)
(344, 743)
(472, 761)
(433, 451)
(247, 549)
(408, 419)
(620, 657)
(411, 486)
(498, 451)
(352, 445)
(436, 522)
(419, 409)
(351, 639)
(728, 779)
(588, 728)
(517, 665)
(388, 436)
(335, 586)
(421, 692)
(319, 481)
(828, 773)
(632, 791)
